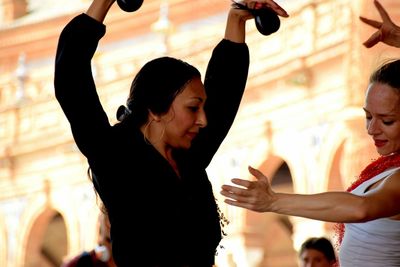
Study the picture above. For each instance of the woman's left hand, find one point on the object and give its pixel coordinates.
(387, 32)
(253, 195)
(256, 4)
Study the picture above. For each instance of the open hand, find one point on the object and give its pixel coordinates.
(253, 195)
(388, 32)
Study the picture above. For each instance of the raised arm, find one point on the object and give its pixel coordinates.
(235, 26)
(225, 81)
(329, 206)
(75, 88)
(388, 32)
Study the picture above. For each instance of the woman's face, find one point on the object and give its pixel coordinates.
(382, 112)
(186, 116)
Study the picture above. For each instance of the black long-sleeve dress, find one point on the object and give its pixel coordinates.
(157, 218)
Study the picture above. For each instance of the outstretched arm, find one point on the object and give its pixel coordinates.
(329, 206)
(388, 32)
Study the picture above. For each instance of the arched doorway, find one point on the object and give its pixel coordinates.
(279, 251)
(272, 233)
(47, 241)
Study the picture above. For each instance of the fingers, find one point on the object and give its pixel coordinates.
(236, 196)
(230, 188)
(384, 15)
(234, 193)
(238, 190)
(239, 198)
(278, 9)
(258, 174)
(373, 40)
(373, 23)
(257, 4)
(248, 184)
(272, 5)
(241, 182)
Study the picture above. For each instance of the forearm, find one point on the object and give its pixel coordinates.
(329, 206)
(99, 9)
(235, 30)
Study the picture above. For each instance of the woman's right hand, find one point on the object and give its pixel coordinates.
(388, 32)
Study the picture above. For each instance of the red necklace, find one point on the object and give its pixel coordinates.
(376, 167)
(373, 169)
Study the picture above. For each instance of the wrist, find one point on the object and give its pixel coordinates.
(239, 14)
(99, 9)
(235, 27)
(276, 199)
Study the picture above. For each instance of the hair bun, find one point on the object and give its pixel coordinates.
(122, 113)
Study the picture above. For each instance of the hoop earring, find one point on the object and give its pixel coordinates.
(146, 139)
(161, 136)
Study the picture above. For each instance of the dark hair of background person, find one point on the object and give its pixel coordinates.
(321, 244)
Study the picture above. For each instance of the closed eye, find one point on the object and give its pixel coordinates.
(388, 122)
(193, 109)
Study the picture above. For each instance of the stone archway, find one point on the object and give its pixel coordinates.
(282, 253)
(276, 230)
(47, 241)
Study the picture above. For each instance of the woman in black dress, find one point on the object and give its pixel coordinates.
(150, 168)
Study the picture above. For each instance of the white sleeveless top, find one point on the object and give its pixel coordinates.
(371, 244)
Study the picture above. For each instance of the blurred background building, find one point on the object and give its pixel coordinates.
(301, 120)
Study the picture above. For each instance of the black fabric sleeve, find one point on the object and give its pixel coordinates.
(225, 82)
(74, 85)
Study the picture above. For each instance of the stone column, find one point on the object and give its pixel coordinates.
(12, 9)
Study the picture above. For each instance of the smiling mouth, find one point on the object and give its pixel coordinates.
(379, 143)
(192, 135)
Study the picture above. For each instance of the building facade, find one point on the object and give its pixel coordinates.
(301, 120)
